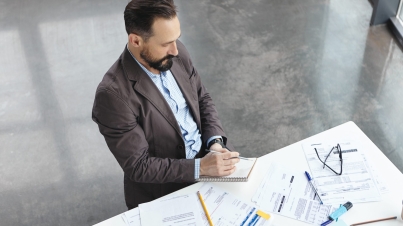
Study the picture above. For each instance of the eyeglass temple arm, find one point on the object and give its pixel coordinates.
(341, 164)
(327, 157)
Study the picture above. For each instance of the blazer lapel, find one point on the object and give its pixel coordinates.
(146, 87)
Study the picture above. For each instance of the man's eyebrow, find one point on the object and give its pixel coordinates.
(172, 41)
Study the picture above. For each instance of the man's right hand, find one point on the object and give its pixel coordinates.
(218, 164)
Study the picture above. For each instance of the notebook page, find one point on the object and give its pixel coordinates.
(243, 168)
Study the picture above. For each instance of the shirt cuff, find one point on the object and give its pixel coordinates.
(197, 169)
(212, 138)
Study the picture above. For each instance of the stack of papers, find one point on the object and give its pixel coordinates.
(287, 192)
(227, 209)
(224, 209)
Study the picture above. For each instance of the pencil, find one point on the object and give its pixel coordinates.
(205, 209)
(367, 222)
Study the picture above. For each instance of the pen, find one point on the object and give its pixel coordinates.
(336, 214)
(326, 222)
(367, 222)
(313, 187)
(205, 209)
(239, 157)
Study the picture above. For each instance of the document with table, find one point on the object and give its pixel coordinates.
(286, 192)
(356, 184)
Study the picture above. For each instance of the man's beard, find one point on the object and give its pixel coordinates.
(157, 64)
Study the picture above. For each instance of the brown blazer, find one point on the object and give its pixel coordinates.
(141, 130)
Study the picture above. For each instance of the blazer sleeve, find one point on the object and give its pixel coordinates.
(210, 122)
(126, 140)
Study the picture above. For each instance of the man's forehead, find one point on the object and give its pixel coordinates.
(166, 30)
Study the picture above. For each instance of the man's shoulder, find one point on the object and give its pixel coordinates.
(184, 55)
(111, 76)
(114, 81)
(183, 52)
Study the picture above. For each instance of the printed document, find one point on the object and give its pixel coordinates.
(380, 183)
(226, 209)
(172, 211)
(287, 192)
(356, 184)
(132, 217)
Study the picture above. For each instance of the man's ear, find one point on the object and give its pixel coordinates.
(135, 40)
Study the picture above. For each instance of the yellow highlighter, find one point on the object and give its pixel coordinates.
(205, 209)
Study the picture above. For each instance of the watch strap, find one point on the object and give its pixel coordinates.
(216, 141)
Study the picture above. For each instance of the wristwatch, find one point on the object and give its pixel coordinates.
(216, 141)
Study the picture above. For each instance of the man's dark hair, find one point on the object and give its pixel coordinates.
(140, 15)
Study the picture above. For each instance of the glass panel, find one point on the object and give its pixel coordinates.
(401, 11)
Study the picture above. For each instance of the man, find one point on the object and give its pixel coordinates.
(154, 112)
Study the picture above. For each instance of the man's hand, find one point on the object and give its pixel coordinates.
(217, 147)
(218, 164)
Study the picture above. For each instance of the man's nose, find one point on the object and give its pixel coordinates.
(173, 50)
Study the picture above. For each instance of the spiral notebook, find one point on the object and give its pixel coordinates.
(243, 170)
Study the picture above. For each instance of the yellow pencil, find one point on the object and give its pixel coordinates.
(205, 209)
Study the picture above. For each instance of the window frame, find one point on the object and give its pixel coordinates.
(399, 9)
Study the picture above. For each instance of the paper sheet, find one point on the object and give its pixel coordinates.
(380, 183)
(287, 192)
(226, 209)
(172, 211)
(356, 184)
(340, 222)
(132, 217)
(243, 168)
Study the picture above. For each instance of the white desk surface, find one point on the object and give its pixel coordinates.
(293, 156)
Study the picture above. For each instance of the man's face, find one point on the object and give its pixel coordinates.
(160, 48)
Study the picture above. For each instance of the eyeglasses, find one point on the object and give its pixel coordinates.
(337, 151)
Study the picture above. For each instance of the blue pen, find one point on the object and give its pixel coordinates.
(336, 214)
(313, 187)
(326, 223)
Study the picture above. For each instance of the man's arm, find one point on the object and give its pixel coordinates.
(210, 122)
(213, 164)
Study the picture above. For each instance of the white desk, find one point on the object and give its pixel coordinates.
(293, 156)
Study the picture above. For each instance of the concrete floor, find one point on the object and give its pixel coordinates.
(279, 71)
